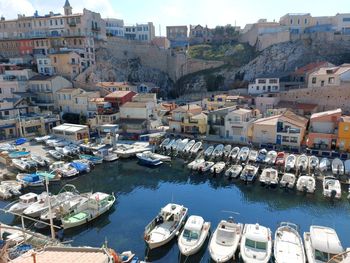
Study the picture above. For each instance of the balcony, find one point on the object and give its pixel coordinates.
(72, 24)
(95, 28)
(288, 130)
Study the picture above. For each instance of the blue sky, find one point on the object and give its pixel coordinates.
(182, 12)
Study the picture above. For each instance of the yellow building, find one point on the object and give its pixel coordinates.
(66, 63)
(343, 141)
(195, 124)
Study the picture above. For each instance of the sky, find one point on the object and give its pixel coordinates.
(181, 12)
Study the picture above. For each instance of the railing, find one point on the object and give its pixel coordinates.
(291, 131)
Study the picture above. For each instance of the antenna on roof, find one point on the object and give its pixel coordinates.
(160, 30)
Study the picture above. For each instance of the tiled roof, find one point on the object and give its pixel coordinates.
(326, 113)
(132, 104)
(310, 67)
(118, 94)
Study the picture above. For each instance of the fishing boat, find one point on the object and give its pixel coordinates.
(164, 227)
(313, 162)
(146, 158)
(57, 165)
(60, 143)
(94, 159)
(5, 192)
(189, 146)
(288, 244)
(107, 154)
(290, 162)
(32, 164)
(324, 165)
(269, 176)
(253, 155)
(322, 244)
(7, 147)
(20, 165)
(306, 183)
(271, 157)
(32, 180)
(196, 147)
(337, 167)
(227, 150)
(175, 146)
(225, 240)
(195, 163)
(127, 150)
(234, 171)
(163, 158)
(280, 159)
(80, 166)
(234, 153)
(169, 146)
(42, 139)
(97, 204)
(51, 141)
(218, 151)
(13, 186)
(243, 154)
(164, 143)
(302, 163)
(249, 173)
(204, 167)
(331, 187)
(288, 180)
(217, 168)
(38, 159)
(193, 236)
(256, 244)
(25, 201)
(261, 156)
(55, 154)
(19, 154)
(181, 144)
(208, 152)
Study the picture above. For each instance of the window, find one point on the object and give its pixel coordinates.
(346, 127)
(7, 112)
(291, 21)
(298, 21)
(346, 19)
(322, 83)
(285, 139)
(0, 90)
(54, 59)
(255, 244)
(257, 87)
(314, 80)
(331, 80)
(305, 21)
(294, 139)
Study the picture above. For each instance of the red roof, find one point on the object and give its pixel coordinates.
(310, 67)
(119, 94)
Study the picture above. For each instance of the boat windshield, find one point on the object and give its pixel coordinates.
(191, 235)
(255, 244)
(323, 256)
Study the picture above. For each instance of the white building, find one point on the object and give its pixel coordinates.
(140, 32)
(72, 132)
(264, 85)
(44, 66)
(114, 27)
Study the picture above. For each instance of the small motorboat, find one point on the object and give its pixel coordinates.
(271, 157)
(225, 240)
(20, 165)
(146, 158)
(306, 183)
(256, 244)
(347, 167)
(13, 186)
(234, 171)
(261, 156)
(176, 145)
(60, 143)
(217, 168)
(269, 176)
(108, 155)
(204, 167)
(81, 166)
(253, 155)
(182, 147)
(38, 159)
(52, 177)
(313, 162)
(280, 159)
(42, 139)
(165, 226)
(94, 159)
(194, 164)
(209, 151)
(196, 147)
(234, 153)
(18, 154)
(189, 146)
(164, 143)
(243, 154)
(25, 201)
(288, 244)
(169, 146)
(5, 192)
(249, 173)
(337, 167)
(32, 180)
(302, 163)
(288, 180)
(290, 162)
(7, 147)
(32, 164)
(218, 151)
(325, 164)
(227, 150)
(322, 244)
(193, 236)
(57, 165)
(56, 155)
(331, 187)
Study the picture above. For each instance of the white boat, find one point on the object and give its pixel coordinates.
(306, 183)
(324, 165)
(164, 227)
(60, 143)
(194, 164)
(176, 145)
(5, 192)
(163, 158)
(209, 151)
(182, 144)
(127, 150)
(32, 164)
(290, 162)
(12, 184)
(218, 151)
(288, 244)
(204, 167)
(56, 155)
(271, 157)
(70, 150)
(189, 146)
(269, 176)
(321, 244)
(253, 155)
(288, 180)
(164, 143)
(217, 168)
(20, 165)
(32, 180)
(10, 188)
(302, 163)
(57, 165)
(25, 201)
(234, 171)
(227, 150)
(147, 158)
(42, 139)
(50, 141)
(193, 235)
(243, 154)
(38, 159)
(234, 153)
(7, 147)
(107, 154)
(347, 167)
(249, 173)
(261, 156)
(225, 240)
(196, 148)
(169, 146)
(337, 167)
(96, 205)
(331, 187)
(256, 244)
(314, 162)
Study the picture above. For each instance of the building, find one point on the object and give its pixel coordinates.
(117, 86)
(44, 66)
(216, 122)
(264, 85)
(297, 22)
(343, 140)
(14, 81)
(141, 32)
(114, 27)
(147, 87)
(323, 129)
(200, 35)
(329, 76)
(223, 100)
(301, 75)
(118, 98)
(71, 132)
(178, 36)
(66, 63)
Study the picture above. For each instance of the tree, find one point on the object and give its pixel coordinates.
(213, 82)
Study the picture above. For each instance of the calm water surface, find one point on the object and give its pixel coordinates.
(142, 191)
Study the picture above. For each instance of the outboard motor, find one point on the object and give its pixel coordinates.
(333, 193)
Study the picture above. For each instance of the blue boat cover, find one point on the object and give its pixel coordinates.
(31, 178)
(20, 141)
(81, 167)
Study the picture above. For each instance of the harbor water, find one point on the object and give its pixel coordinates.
(142, 191)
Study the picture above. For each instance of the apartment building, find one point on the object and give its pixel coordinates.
(114, 27)
(178, 36)
(141, 32)
(66, 63)
(264, 85)
(200, 34)
(329, 76)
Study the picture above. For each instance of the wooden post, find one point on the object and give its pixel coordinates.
(34, 257)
